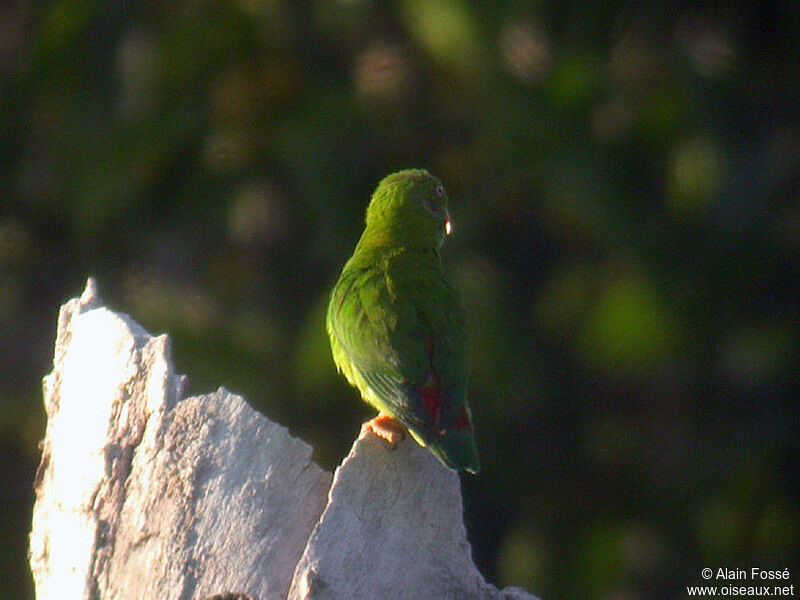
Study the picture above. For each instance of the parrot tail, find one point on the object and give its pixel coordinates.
(456, 449)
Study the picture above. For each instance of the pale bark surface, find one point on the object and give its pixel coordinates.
(142, 493)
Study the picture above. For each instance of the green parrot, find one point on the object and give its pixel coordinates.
(396, 326)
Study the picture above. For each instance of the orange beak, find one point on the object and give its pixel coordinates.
(448, 225)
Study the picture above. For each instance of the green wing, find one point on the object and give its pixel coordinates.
(398, 334)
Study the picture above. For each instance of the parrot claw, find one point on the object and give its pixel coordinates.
(387, 428)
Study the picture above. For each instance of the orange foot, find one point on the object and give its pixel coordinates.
(386, 427)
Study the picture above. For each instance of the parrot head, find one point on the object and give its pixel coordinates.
(410, 207)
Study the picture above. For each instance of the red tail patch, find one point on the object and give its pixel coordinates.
(432, 390)
(432, 399)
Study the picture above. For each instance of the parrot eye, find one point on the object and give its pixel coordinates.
(439, 191)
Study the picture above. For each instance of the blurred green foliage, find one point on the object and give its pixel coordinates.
(627, 232)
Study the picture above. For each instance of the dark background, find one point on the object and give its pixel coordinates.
(624, 189)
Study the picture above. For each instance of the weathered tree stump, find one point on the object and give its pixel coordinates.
(144, 494)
